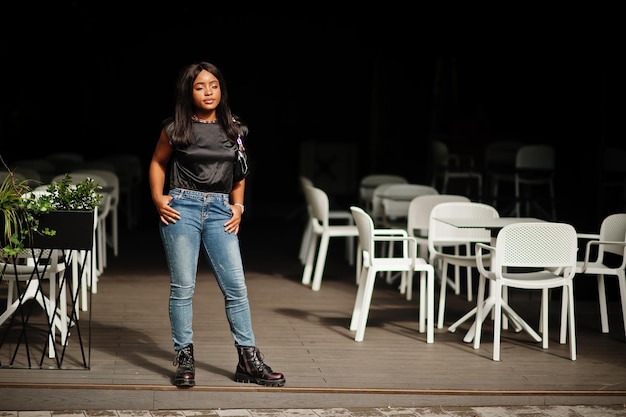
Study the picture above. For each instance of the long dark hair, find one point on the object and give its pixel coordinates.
(180, 131)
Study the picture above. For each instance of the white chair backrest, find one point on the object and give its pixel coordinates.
(613, 229)
(370, 182)
(108, 177)
(45, 168)
(65, 161)
(536, 245)
(304, 181)
(500, 155)
(128, 168)
(376, 208)
(16, 175)
(439, 154)
(80, 176)
(442, 234)
(397, 197)
(317, 200)
(420, 208)
(365, 224)
(535, 157)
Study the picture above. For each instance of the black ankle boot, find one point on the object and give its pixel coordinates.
(186, 371)
(252, 369)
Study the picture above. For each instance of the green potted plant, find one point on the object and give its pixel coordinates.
(19, 218)
(72, 215)
(61, 218)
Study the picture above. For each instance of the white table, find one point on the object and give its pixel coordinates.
(494, 225)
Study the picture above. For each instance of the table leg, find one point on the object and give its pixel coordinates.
(518, 323)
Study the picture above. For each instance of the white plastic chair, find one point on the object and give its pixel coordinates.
(534, 169)
(499, 165)
(376, 209)
(445, 243)
(448, 166)
(406, 262)
(535, 166)
(130, 170)
(369, 182)
(44, 167)
(322, 231)
(65, 161)
(341, 216)
(547, 251)
(112, 184)
(31, 267)
(417, 226)
(394, 200)
(610, 242)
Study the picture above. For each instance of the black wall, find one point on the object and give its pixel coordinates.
(98, 78)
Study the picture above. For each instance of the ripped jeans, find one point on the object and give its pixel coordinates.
(201, 228)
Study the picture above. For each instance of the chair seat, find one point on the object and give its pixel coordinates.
(534, 280)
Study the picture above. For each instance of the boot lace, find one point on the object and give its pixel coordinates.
(184, 359)
(257, 363)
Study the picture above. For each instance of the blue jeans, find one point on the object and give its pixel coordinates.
(201, 227)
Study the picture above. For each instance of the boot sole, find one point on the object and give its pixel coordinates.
(246, 379)
(184, 383)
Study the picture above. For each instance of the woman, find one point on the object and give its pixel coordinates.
(201, 209)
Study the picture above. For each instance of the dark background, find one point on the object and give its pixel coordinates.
(330, 94)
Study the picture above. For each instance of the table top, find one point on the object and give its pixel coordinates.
(486, 223)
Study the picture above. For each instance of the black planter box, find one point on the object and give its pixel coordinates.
(21, 340)
(74, 230)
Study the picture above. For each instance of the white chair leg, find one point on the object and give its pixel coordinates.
(621, 279)
(62, 318)
(310, 258)
(304, 244)
(350, 250)
(544, 317)
(320, 263)
(359, 263)
(478, 320)
(457, 274)
(366, 301)
(572, 322)
(356, 311)
(604, 316)
(51, 307)
(564, 308)
(442, 296)
(497, 325)
(422, 310)
(114, 232)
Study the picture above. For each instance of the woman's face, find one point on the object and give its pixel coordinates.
(206, 92)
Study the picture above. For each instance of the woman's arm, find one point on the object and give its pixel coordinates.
(236, 206)
(156, 174)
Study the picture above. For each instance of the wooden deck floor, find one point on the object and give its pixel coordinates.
(305, 335)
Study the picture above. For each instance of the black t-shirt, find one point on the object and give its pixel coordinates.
(205, 165)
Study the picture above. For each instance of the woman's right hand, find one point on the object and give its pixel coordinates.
(166, 213)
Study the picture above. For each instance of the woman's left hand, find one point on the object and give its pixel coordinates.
(232, 225)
